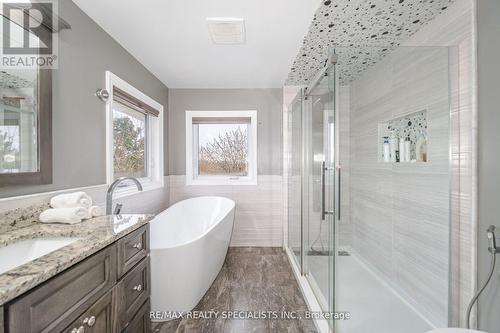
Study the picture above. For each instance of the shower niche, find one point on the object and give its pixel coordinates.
(404, 139)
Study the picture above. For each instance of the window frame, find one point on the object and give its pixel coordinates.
(154, 138)
(251, 179)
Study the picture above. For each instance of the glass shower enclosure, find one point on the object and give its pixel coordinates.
(375, 241)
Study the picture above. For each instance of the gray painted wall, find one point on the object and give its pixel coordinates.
(267, 102)
(488, 14)
(85, 53)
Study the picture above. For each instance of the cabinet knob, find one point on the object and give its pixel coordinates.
(80, 329)
(89, 321)
(137, 246)
(138, 287)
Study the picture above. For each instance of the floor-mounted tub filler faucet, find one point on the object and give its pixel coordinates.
(111, 189)
(490, 232)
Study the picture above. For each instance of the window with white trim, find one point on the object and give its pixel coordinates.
(134, 136)
(221, 147)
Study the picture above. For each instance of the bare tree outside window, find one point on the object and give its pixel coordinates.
(223, 149)
(129, 133)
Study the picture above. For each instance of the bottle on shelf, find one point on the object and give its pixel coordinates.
(402, 153)
(407, 149)
(421, 148)
(387, 151)
(393, 145)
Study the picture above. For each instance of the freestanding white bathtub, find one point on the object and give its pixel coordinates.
(189, 243)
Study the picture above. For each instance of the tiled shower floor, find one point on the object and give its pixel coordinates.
(252, 279)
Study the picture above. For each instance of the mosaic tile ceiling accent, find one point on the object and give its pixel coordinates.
(362, 32)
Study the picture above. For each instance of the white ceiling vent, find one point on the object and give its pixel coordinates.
(226, 30)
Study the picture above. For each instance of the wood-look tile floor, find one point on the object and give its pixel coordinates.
(252, 279)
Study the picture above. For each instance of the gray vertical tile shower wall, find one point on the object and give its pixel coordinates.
(345, 226)
(400, 214)
(455, 28)
(488, 27)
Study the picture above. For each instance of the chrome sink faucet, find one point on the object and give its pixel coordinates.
(111, 189)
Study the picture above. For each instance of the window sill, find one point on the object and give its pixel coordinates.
(221, 182)
(132, 189)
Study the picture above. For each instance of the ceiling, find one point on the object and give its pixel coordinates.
(362, 33)
(170, 38)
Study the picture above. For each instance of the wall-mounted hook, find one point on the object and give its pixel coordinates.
(102, 94)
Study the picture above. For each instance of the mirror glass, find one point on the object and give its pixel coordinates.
(18, 121)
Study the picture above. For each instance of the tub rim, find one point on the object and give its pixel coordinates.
(203, 234)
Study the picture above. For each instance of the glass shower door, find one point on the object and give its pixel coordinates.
(311, 185)
(319, 189)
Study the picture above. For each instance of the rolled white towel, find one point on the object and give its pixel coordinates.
(70, 200)
(64, 215)
(94, 211)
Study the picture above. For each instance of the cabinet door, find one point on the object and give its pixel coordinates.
(57, 303)
(132, 291)
(99, 318)
(141, 322)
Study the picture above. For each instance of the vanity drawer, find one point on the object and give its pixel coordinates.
(132, 291)
(97, 319)
(58, 302)
(132, 249)
(141, 322)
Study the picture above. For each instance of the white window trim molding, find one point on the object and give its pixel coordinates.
(155, 138)
(251, 179)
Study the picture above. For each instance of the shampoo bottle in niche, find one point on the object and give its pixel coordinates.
(393, 143)
(387, 151)
(402, 153)
(407, 149)
(421, 148)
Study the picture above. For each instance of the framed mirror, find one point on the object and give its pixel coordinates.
(25, 126)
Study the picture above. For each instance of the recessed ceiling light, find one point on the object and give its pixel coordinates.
(226, 30)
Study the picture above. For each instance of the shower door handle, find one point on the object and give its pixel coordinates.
(323, 189)
(324, 212)
(338, 192)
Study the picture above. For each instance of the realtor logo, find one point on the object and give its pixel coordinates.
(34, 20)
(28, 34)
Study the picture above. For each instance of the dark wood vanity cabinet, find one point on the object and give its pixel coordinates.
(105, 293)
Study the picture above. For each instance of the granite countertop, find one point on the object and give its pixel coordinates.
(95, 234)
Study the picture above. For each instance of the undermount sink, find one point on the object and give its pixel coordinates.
(22, 252)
